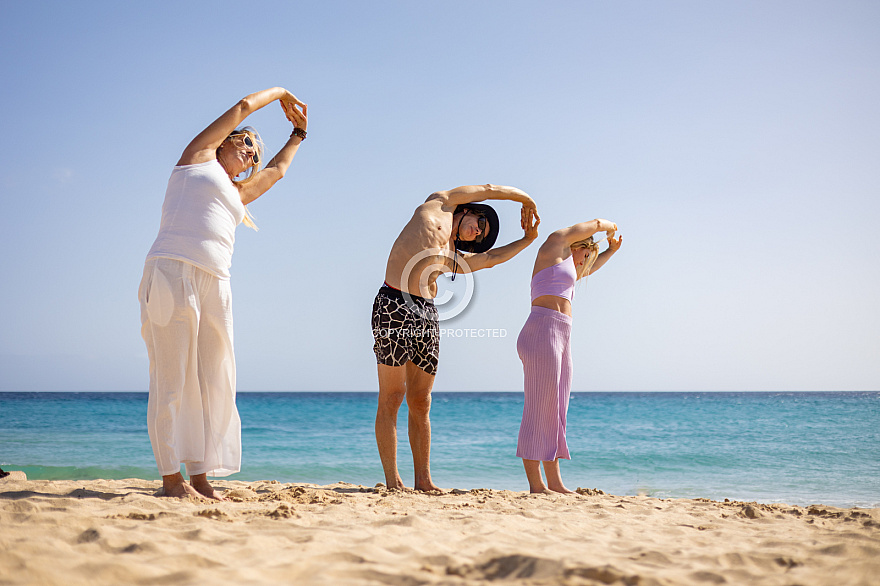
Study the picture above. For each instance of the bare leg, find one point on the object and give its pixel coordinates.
(174, 485)
(392, 390)
(554, 479)
(200, 483)
(418, 402)
(533, 473)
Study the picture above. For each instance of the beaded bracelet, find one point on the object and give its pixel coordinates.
(299, 132)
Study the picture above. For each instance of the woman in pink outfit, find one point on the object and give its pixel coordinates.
(544, 346)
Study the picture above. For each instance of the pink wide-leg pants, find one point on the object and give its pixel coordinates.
(544, 346)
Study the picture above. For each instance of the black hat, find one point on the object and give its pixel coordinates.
(494, 224)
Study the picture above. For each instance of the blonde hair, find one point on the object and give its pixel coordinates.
(593, 248)
(253, 169)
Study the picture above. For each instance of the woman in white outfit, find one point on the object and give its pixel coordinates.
(186, 304)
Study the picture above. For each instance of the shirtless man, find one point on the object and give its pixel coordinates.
(449, 232)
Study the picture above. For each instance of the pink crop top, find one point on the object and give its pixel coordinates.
(557, 280)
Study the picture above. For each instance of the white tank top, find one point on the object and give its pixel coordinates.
(201, 210)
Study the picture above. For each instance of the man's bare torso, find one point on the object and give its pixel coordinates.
(421, 250)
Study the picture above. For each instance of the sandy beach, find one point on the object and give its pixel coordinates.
(120, 532)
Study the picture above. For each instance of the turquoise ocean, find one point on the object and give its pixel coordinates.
(794, 448)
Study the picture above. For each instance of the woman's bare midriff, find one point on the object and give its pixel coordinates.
(554, 302)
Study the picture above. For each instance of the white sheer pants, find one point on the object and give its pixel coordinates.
(186, 322)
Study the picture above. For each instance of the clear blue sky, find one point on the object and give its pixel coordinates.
(736, 144)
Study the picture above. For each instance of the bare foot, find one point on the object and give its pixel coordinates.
(204, 489)
(542, 490)
(396, 485)
(212, 494)
(176, 487)
(429, 487)
(562, 490)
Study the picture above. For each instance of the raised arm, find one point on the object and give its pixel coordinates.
(490, 258)
(558, 244)
(613, 246)
(475, 193)
(584, 230)
(277, 167)
(204, 146)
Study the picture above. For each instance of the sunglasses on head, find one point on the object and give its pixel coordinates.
(246, 139)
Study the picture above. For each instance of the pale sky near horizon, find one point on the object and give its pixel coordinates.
(736, 145)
